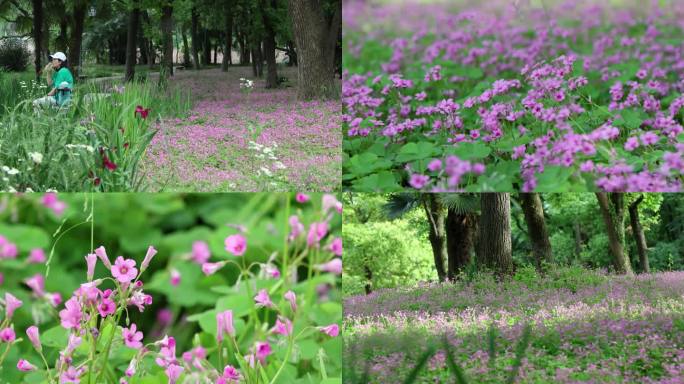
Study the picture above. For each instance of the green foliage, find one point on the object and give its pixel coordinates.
(392, 251)
(14, 55)
(563, 246)
(73, 142)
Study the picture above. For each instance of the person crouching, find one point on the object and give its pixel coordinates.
(61, 83)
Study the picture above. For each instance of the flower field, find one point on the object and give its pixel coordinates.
(193, 289)
(513, 95)
(246, 138)
(585, 327)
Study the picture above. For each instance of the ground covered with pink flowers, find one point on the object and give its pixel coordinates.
(586, 328)
(246, 140)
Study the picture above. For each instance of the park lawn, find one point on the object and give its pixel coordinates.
(240, 140)
(585, 327)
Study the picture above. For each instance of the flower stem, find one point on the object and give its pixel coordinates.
(287, 356)
(109, 345)
(47, 366)
(285, 236)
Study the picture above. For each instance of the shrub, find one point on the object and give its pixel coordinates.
(14, 55)
(392, 252)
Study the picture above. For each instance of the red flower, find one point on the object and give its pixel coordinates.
(142, 111)
(97, 181)
(108, 164)
(126, 145)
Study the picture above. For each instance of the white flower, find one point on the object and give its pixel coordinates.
(10, 171)
(266, 171)
(279, 165)
(36, 157)
(51, 190)
(28, 190)
(11, 190)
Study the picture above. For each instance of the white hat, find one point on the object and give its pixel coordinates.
(58, 55)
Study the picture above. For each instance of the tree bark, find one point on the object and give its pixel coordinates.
(186, 49)
(334, 35)
(578, 240)
(195, 39)
(206, 48)
(131, 43)
(638, 232)
(142, 41)
(612, 208)
(536, 229)
(269, 46)
(38, 36)
(310, 30)
(76, 40)
(228, 38)
(369, 279)
(460, 230)
(62, 40)
(166, 68)
(494, 246)
(434, 211)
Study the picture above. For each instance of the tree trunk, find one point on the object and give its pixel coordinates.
(333, 36)
(142, 41)
(434, 212)
(460, 230)
(578, 240)
(369, 279)
(38, 36)
(255, 71)
(310, 30)
(494, 246)
(206, 48)
(76, 40)
(638, 233)
(186, 49)
(62, 40)
(166, 69)
(536, 229)
(228, 38)
(269, 47)
(131, 43)
(195, 39)
(291, 54)
(612, 208)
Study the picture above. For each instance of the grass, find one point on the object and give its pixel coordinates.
(90, 145)
(584, 326)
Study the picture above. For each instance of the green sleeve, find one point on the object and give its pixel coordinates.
(63, 75)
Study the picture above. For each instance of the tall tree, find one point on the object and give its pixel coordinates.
(536, 229)
(267, 10)
(228, 37)
(461, 228)
(638, 233)
(38, 35)
(187, 62)
(311, 29)
(494, 246)
(167, 42)
(195, 38)
(612, 208)
(434, 210)
(76, 40)
(131, 42)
